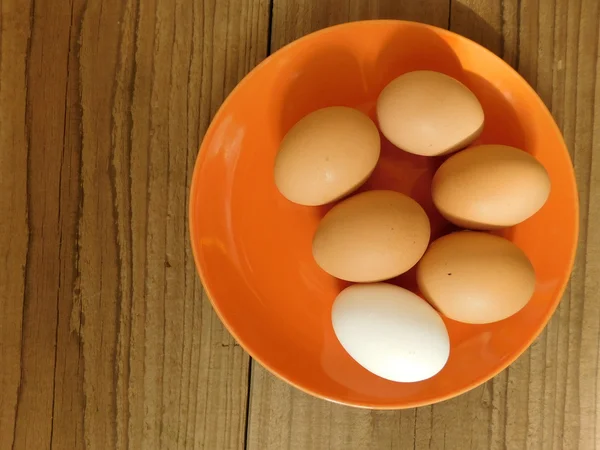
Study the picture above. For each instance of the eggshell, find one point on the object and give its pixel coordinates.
(326, 155)
(490, 186)
(391, 332)
(475, 277)
(371, 236)
(429, 113)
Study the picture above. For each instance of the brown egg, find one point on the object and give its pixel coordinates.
(490, 186)
(371, 236)
(429, 113)
(326, 155)
(476, 277)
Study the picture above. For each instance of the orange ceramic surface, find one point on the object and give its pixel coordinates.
(253, 247)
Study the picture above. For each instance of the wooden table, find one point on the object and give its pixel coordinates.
(106, 337)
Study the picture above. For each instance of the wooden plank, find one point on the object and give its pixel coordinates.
(548, 398)
(15, 30)
(552, 395)
(50, 213)
(107, 339)
(281, 416)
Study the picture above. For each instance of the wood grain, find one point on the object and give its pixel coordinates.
(14, 235)
(107, 339)
(549, 398)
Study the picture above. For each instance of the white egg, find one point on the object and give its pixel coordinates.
(391, 332)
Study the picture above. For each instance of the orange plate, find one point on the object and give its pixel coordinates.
(253, 247)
